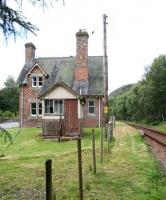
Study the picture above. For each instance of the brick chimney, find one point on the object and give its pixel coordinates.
(81, 82)
(29, 52)
(81, 70)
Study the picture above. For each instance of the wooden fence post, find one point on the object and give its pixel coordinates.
(108, 137)
(80, 168)
(111, 132)
(93, 151)
(48, 179)
(102, 141)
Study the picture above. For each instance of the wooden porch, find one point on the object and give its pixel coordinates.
(58, 128)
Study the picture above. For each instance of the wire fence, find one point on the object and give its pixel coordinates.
(65, 181)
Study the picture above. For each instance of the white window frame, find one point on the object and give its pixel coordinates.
(90, 106)
(40, 81)
(37, 81)
(33, 108)
(37, 109)
(40, 103)
(33, 85)
(51, 104)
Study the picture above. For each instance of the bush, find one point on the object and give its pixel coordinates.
(155, 123)
(8, 114)
(1, 114)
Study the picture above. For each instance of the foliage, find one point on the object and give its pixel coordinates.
(120, 90)
(13, 22)
(8, 139)
(146, 100)
(8, 114)
(7, 136)
(10, 20)
(9, 96)
(156, 175)
(1, 114)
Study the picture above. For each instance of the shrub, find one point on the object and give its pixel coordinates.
(1, 114)
(7, 114)
(155, 123)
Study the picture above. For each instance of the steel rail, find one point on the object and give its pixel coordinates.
(154, 134)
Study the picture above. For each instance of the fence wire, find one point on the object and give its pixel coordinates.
(64, 178)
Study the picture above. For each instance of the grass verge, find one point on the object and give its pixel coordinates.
(129, 170)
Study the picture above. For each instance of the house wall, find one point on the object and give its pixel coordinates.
(90, 120)
(60, 93)
(29, 94)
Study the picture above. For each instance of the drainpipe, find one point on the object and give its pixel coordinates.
(99, 113)
(22, 106)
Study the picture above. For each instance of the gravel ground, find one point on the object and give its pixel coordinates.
(159, 151)
(9, 124)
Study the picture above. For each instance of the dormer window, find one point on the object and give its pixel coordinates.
(37, 81)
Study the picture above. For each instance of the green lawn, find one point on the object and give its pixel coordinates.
(129, 171)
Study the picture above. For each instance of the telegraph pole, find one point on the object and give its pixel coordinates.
(105, 70)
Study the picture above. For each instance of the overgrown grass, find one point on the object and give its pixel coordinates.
(161, 127)
(128, 172)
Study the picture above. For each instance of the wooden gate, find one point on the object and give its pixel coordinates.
(71, 117)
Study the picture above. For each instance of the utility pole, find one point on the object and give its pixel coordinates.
(105, 70)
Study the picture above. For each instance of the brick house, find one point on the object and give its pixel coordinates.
(62, 91)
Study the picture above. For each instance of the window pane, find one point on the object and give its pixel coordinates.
(91, 110)
(33, 112)
(33, 108)
(56, 110)
(91, 103)
(91, 107)
(46, 102)
(34, 81)
(40, 108)
(60, 106)
(46, 106)
(54, 106)
(40, 81)
(51, 106)
(33, 105)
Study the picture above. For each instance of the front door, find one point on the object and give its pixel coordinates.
(71, 117)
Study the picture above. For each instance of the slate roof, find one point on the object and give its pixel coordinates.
(62, 68)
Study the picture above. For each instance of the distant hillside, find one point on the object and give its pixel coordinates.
(120, 90)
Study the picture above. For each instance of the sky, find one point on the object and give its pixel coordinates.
(136, 34)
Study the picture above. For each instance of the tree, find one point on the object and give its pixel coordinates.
(13, 22)
(10, 82)
(156, 77)
(9, 96)
(145, 101)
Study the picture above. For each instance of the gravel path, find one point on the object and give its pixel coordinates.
(159, 151)
(9, 124)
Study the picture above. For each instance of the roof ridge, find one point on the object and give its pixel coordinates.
(62, 57)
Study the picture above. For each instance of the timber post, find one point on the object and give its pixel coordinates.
(48, 179)
(80, 168)
(93, 151)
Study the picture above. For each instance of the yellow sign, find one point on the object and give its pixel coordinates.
(106, 109)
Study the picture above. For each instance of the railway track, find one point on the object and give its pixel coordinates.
(156, 140)
(156, 135)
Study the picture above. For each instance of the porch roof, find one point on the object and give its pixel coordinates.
(60, 83)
